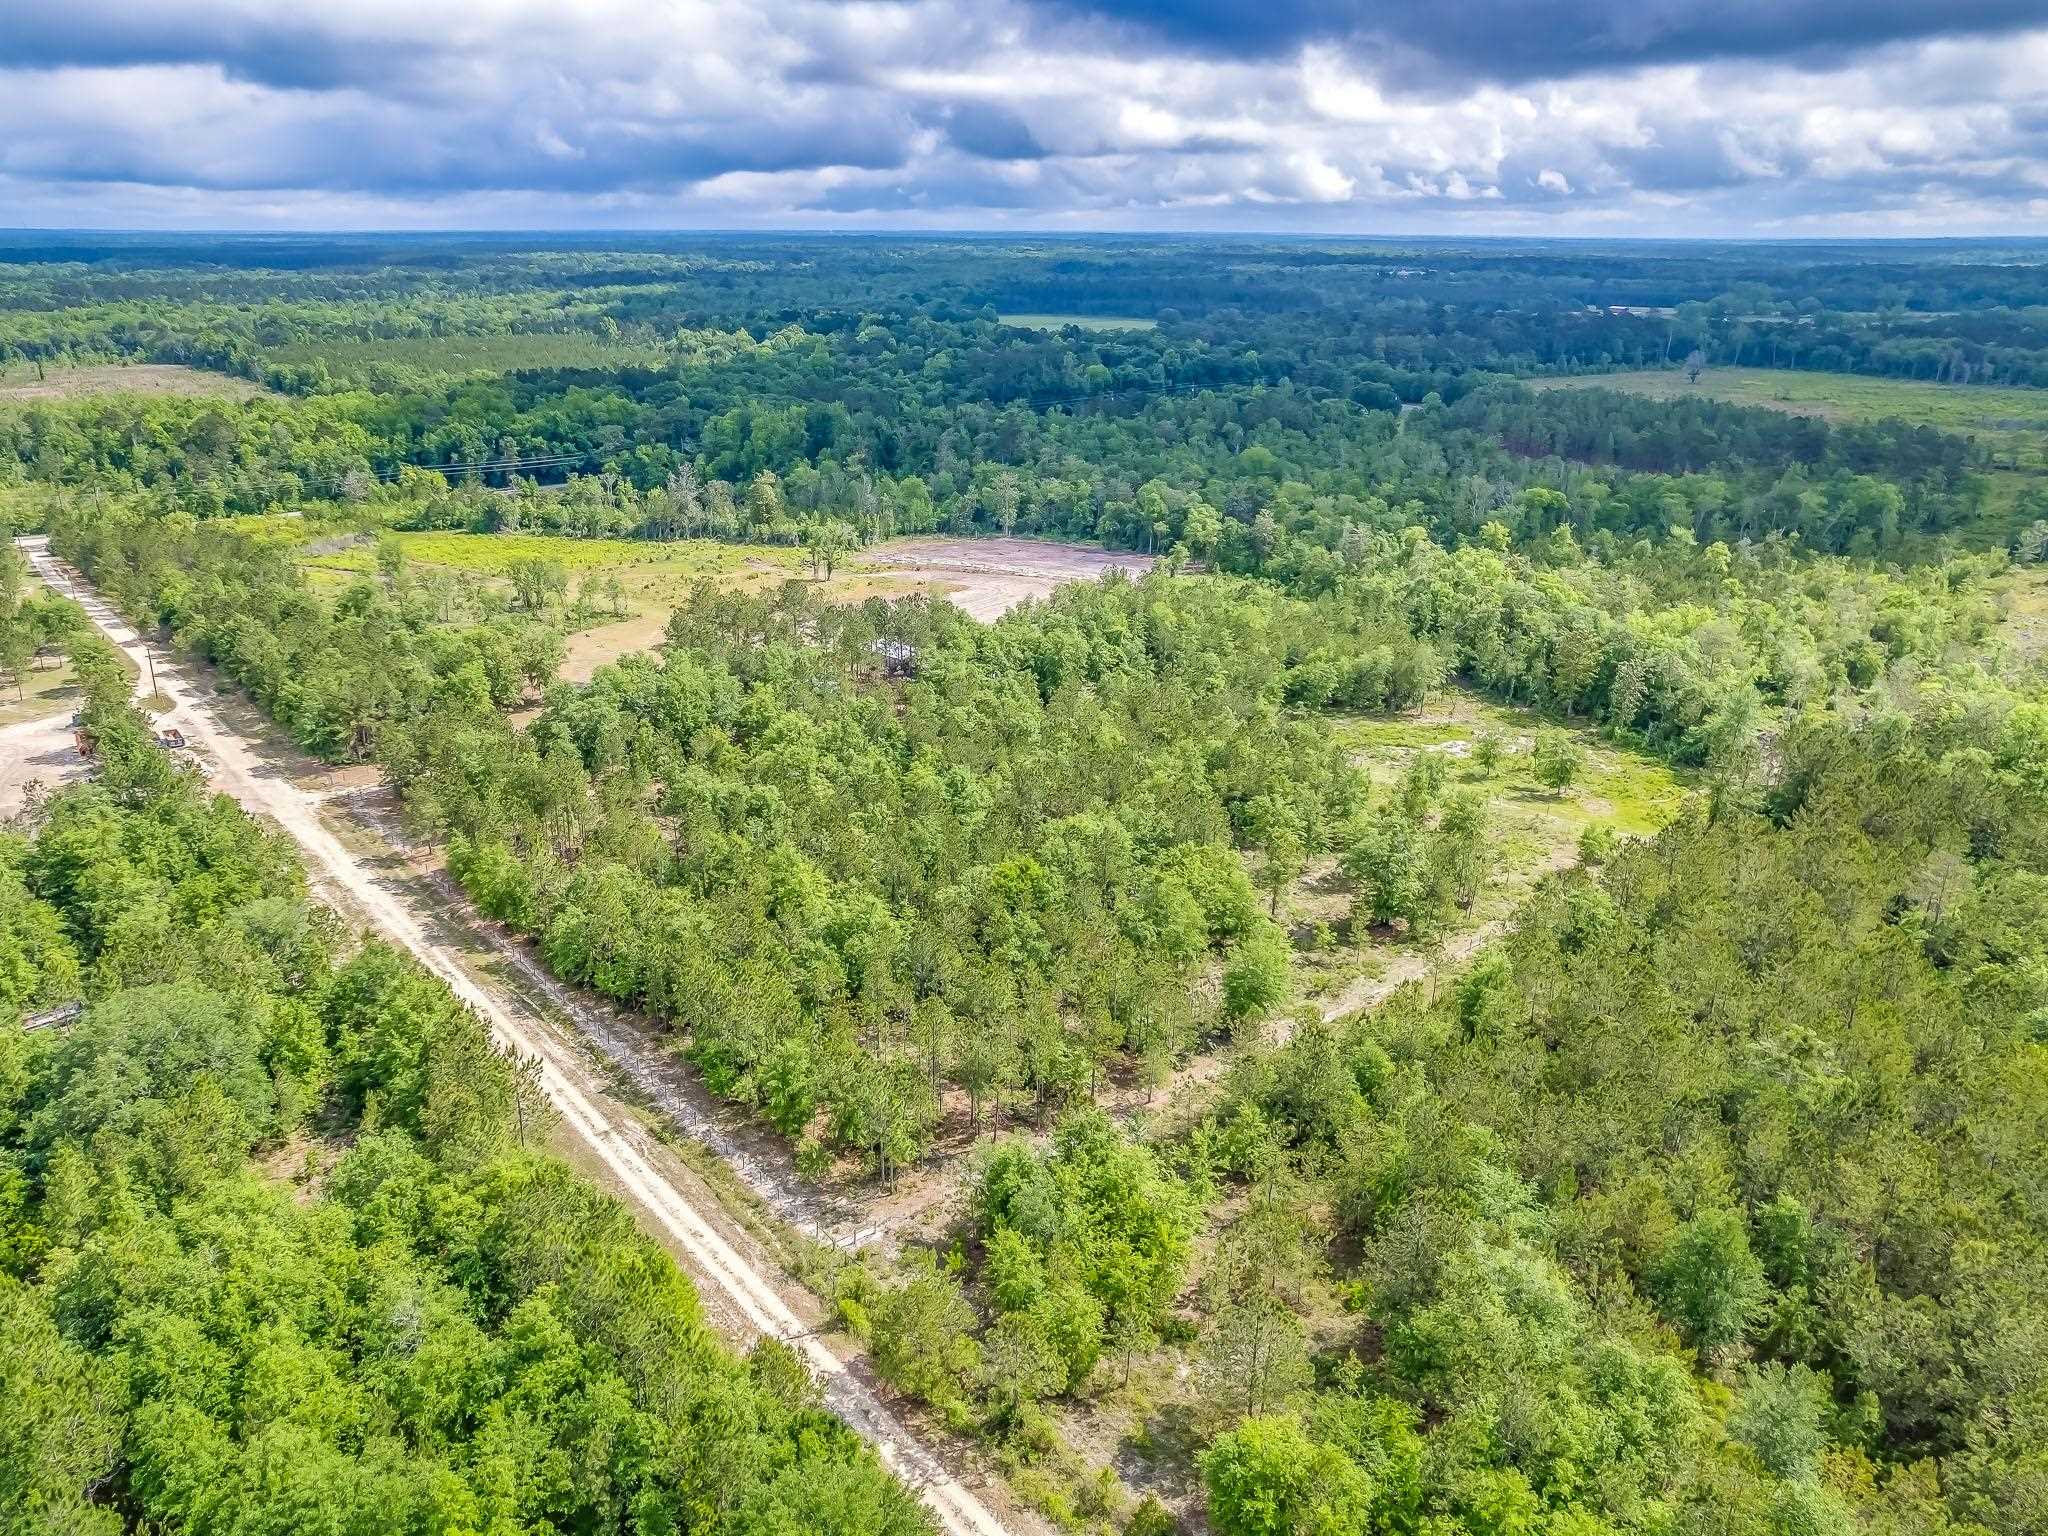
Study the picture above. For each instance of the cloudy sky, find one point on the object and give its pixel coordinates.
(1670, 117)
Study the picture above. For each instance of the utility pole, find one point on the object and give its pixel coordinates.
(149, 651)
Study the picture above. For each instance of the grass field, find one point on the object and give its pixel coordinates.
(654, 578)
(1082, 322)
(2013, 422)
(277, 528)
(455, 356)
(18, 382)
(48, 689)
(1531, 830)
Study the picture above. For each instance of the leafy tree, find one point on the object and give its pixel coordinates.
(1559, 761)
(1267, 1477)
(1710, 1283)
(1254, 1358)
(1781, 1416)
(828, 543)
(1255, 977)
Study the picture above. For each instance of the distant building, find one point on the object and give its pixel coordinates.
(898, 657)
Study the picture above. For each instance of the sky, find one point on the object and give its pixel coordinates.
(1782, 118)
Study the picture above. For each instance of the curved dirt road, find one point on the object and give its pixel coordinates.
(605, 1130)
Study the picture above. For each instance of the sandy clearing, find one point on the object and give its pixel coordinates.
(36, 752)
(604, 1130)
(986, 578)
(122, 379)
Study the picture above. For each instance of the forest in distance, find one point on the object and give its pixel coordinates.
(1486, 972)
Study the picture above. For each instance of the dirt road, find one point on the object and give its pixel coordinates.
(1370, 991)
(627, 1153)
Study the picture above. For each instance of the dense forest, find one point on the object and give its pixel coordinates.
(280, 1244)
(1698, 1192)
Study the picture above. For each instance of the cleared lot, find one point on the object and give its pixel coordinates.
(986, 578)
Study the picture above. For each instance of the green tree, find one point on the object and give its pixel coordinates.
(1255, 976)
(1781, 1415)
(1559, 761)
(1267, 1477)
(922, 1334)
(1709, 1283)
(1254, 1357)
(828, 542)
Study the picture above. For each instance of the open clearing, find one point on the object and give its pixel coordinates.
(2013, 422)
(1530, 830)
(20, 383)
(36, 743)
(984, 578)
(50, 688)
(1080, 322)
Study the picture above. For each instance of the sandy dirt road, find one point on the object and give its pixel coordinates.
(740, 1290)
(1371, 991)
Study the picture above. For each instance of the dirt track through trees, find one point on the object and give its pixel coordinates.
(601, 1127)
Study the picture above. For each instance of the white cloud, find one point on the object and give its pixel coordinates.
(962, 111)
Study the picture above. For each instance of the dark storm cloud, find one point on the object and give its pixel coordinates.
(1517, 40)
(990, 132)
(291, 49)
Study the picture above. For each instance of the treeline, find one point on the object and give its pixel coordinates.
(1676, 437)
(281, 1248)
(1410, 315)
(643, 456)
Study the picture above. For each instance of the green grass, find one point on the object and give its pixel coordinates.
(1083, 322)
(1634, 793)
(275, 529)
(493, 554)
(2013, 422)
(48, 688)
(1530, 829)
(455, 356)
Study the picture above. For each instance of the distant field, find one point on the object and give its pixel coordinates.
(2011, 421)
(18, 381)
(983, 577)
(654, 578)
(1083, 322)
(458, 355)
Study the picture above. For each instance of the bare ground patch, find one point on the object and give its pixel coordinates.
(120, 379)
(986, 578)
